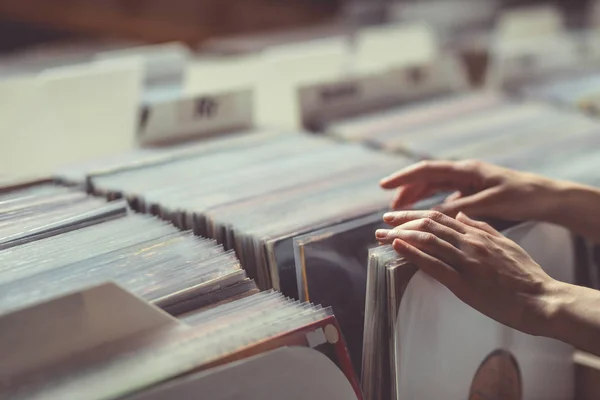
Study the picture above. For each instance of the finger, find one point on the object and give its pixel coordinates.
(478, 204)
(430, 226)
(428, 243)
(462, 217)
(431, 172)
(408, 195)
(453, 197)
(413, 194)
(398, 201)
(397, 218)
(433, 267)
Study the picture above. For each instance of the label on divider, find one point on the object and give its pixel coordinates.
(188, 117)
(321, 103)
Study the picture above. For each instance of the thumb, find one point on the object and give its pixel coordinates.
(462, 217)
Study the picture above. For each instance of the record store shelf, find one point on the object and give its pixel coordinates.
(217, 224)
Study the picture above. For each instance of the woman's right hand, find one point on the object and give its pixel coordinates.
(480, 190)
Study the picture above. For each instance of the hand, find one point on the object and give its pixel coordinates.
(480, 190)
(479, 265)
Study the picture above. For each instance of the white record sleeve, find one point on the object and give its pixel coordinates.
(440, 342)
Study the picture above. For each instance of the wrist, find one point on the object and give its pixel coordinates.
(558, 198)
(557, 300)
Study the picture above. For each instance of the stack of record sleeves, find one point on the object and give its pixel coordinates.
(380, 315)
(152, 348)
(580, 91)
(55, 239)
(526, 135)
(82, 172)
(339, 253)
(35, 212)
(257, 197)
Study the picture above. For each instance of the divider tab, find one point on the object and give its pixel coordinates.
(520, 60)
(46, 333)
(393, 46)
(522, 22)
(327, 101)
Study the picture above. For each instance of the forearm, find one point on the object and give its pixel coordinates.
(576, 207)
(574, 316)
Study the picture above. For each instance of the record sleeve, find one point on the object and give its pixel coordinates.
(338, 255)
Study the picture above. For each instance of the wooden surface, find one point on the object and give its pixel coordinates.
(190, 21)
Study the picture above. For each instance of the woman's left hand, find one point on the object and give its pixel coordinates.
(478, 264)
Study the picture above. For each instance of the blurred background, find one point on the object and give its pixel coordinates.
(25, 23)
(53, 53)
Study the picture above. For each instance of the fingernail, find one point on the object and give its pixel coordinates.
(381, 233)
(388, 217)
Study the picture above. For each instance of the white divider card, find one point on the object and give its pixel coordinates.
(327, 101)
(527, 58)
(522, 22)
(159, 62)
(194, 117)
(446, 16)
(293, 373)
(26, 133)
(591, 40)
(95, 105)
(221, 73)
(253, 43)
(285, 68)
(393, 46)
(45, 334)
(66, 115)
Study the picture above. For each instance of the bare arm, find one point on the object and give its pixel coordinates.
(576, 207)
(488, 191)
(575, 316)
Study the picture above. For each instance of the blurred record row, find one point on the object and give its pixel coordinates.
(525, 135)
